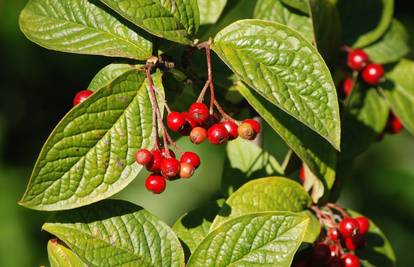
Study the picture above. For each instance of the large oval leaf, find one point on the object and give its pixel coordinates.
(366, 21)
(301, 5)
(90, 154)
(257, 239)
(275, 10)
(62, 256)
(78, 26)
(266, 194)
(117, 233)
(391, 47)
(175, 20)
(318, 155)
(210, 10)
(285, 69)
(399, 92)
(108, 74)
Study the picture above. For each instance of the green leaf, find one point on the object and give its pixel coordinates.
(176, 20)
(378, 251)
(78, 26)
(363, 122)
(108, 74)
(327, 28)
(249, 158)
(62, 256)
(301, 5)
(399, 92)
(314, 228)
(318, 155)
(391, 47)
(285, 69)
(117, 233)
(266, 194)
(90, 154)
(193, 227)
(275, 10)
(257, 239)
(366, 21)
(210, 10)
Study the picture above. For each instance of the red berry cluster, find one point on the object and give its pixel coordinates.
(358, 60)
(394, 125)
(200, 125)
(81, 96)
(342, 235)
(163, 166)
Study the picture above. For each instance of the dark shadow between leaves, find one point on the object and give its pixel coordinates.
(375, 258)
(196, 217)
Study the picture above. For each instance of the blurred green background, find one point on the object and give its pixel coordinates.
(37, 87)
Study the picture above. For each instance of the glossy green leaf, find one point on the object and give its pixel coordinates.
(378, 251)
(301, 5)
(275, 10)
(391, 47)
(399, 92)
(366, 21)
(210, 10)
(176, 20)
(193, 227)
(256, 239)
(314, 228)
(285, 69)
(62, 256)
(363, 122)
(79, 26)
(327, 28)
(90, 154)
(311, 148)
(117, 233)
(108, 74)
(266, 194)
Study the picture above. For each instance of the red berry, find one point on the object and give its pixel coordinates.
(175, 121)
(165, 154)
(394, 125)
(217, 134)
(373, 74)
(210, 121)
(143, 156)
(170, 168)
(363, 224)
(347, 86)
(231, 128)
(350, 260)
(155, 164)
(191, 158)
(348, 227)
(357, 59)
(189, 125)
(81, 96)
(302, 174)
(246, 131)
(350, 244)
(198, 135)
(199, 112)
(335, 262)
(335, 251)
(321, 253)
(186, 170)
(155, 183)
(255, 124)
(333, 234)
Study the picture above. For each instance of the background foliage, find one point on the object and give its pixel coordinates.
(37, 88)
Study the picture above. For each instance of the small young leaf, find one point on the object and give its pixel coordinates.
(210, 10)
(285, 69)
(62, 256)
(364, 22)
(256, 239)
(266, 194)
(117, 233)
(318, 155)
(399, 92)
(90, 154)
(176, 20)
(78, 26)
(301, 5)
(275, 10)
(193, 227)
(391, 47)
(378, 251)
(108, 74)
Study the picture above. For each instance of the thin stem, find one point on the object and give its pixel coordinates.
(223, 113)
(206, 46)
(200, 98)
(164, 101)
(155, 109)
(339, 209)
